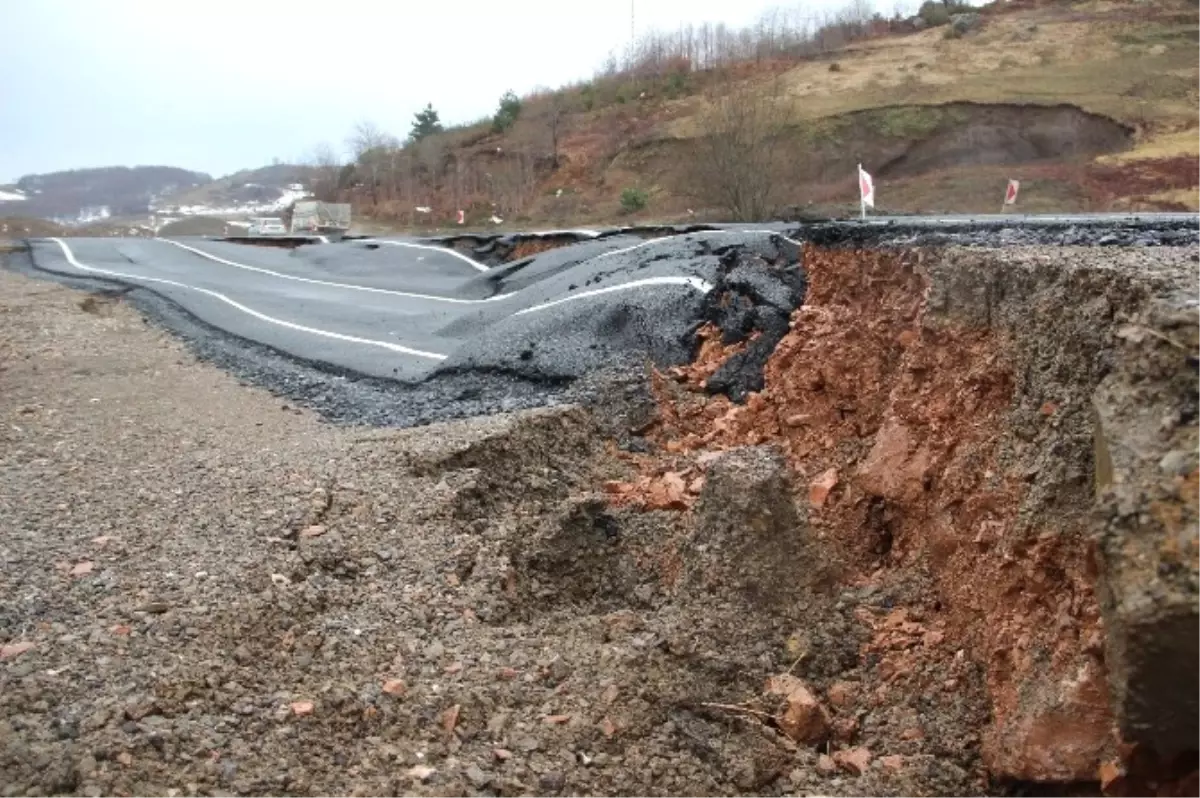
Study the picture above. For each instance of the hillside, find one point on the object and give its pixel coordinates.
(262, 187)
(1091, 105)
(84, 195)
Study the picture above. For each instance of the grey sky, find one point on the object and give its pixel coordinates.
(220, 85)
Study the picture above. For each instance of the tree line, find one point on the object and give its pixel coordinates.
(742, 126)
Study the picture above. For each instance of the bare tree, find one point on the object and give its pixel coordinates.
(740, 154)
(326, 171)
(371, 147)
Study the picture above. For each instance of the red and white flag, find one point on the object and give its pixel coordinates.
(866, 188)
(462, 217)
(1010, 193)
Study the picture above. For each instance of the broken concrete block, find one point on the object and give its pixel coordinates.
(804, 719)
(749, 537)
(1148, 481)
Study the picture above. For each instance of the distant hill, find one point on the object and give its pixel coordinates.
(82, 195)
(262, 186)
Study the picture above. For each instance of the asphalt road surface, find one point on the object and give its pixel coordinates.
(404, 310)
(406, 331)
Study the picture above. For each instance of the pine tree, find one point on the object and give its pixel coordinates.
(506, 115)
(425, 123)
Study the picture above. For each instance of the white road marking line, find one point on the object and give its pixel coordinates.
(444, 250)
(348, 286)
(694, 282)
(404, 350)
(660, 239)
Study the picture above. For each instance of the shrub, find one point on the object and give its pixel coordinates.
(633, 200)
(507, 113)
(935, 13)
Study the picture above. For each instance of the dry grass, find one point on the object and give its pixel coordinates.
(1154, 147)
(1106, 58)
(1188, 198)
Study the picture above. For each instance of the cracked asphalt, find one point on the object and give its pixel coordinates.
(405, 331)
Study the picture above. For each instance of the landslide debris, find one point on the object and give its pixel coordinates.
(1016, 428)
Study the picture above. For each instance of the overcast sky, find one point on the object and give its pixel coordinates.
(220, 85)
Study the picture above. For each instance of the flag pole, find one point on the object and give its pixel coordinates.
(862, 200)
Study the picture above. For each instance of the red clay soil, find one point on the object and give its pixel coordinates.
(532, 246)
(1143, 178)
(893, 423)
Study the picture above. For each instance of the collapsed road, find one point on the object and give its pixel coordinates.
(933, 531)
(458, 337)
(458, 331)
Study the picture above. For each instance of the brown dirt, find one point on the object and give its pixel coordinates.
(877, 576)
(214, 593)
(935, 410)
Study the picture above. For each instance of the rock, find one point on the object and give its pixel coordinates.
(826, 765)
(892, 469)
(819, 490)
(10, 650)
(840, 694)
(395, 687)
(804, 719)
(477, 777)
(1059, 733)
(844, 729)
(749, 538)
(853, 760)
(1147, 517)
(892, 762)
(420, 772)
(552, 782)
(302, 708)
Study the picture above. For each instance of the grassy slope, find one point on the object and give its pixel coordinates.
(1134, 62)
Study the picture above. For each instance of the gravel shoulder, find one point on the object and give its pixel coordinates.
(210, 592)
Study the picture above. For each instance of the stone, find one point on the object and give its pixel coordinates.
(804, 719)
(895, 468)
(840, 694)
(1146, 520)
(1059, 733)
(477, 777)
(749, 539)
(853, 760)
(965, 23)
(819, 490)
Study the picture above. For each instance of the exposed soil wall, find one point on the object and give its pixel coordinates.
(938, 411)
(907, 141)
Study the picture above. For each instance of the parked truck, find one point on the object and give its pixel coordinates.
(312, 217)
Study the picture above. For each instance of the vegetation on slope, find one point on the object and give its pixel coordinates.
(1092, 105)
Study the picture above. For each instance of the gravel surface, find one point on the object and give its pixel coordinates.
(212, 592)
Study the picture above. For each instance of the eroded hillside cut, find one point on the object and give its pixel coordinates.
(950, 416)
